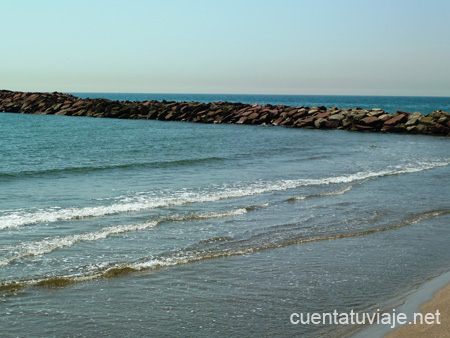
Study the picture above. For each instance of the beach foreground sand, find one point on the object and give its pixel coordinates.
(441, 302)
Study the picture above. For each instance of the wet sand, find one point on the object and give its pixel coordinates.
(429, 297)
(441, 302)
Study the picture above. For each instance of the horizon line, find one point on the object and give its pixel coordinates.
(242, 94)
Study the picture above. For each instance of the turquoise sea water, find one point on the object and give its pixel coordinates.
(173, 229)
(388, 103)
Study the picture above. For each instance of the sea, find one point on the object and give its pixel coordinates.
(141, 228)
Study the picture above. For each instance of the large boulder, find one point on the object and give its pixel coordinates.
(370, 120)
(428, 120)
(414, 119)
(396, 120)
(320, 122)
(337, 117)
(440, 129)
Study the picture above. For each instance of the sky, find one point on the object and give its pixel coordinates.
(323, 47)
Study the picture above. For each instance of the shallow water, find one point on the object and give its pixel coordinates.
(149, 228)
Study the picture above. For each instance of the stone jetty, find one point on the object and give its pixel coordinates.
(354, 119)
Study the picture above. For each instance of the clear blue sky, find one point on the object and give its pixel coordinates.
(355, 47)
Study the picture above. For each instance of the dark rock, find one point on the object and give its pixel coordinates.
(396, 119)
(265, 118)
(253, 116)
(357, 115)
(371, 120)
(287, 122)
(305, 122)
(375, 112)
(242, 120)
(323, 115)
(413, 119)
(213, 113)
(320, 122)
(428, 120)
(437, 123)
(363, 127)
(299, 114)
(278, 121)
(421, 129)
(332, 124)
(337, 117)
(439, 129)
(347, 122)
(385, 117)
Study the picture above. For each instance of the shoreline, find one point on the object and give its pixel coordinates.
(440, 301)
(432, 295)
(351, 119)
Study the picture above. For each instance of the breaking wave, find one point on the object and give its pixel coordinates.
(38, 248)
(210, 194)
(119, 269)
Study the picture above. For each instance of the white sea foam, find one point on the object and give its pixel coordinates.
(37, 248)
(42, 247)
(115, 269)
(338, 192)
(187, 257)
(143, 202)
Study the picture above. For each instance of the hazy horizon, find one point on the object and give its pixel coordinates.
(243, 94)
(387, 48)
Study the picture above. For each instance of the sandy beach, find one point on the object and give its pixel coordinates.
(441, 302)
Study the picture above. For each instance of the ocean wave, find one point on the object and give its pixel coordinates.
(38, 248)
(89, 169)
(325, 194)
(144, 201)
(119, 269)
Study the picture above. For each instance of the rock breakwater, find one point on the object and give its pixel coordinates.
(354, 119)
